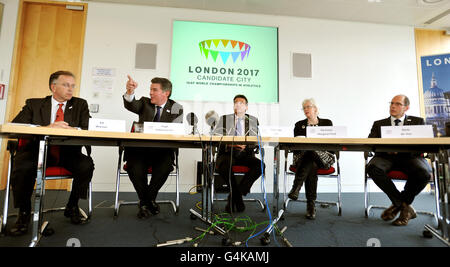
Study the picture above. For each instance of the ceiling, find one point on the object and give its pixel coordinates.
(432, 14)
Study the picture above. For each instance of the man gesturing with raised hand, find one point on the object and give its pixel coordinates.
(157, 108)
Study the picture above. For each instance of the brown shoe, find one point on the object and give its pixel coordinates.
(407, 213)
(390, 213)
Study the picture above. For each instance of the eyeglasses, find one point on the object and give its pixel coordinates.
(240, 103)
(397, 104)
(307, 107)
(67, 85)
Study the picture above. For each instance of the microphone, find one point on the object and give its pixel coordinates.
(192, 120)
(212, 118)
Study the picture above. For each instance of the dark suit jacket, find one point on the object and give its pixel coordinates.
(300, 126)
(172, 112)
(226, 126)
(38, 111)
(375, 132)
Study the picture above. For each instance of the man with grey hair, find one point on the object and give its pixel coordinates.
(414, 165)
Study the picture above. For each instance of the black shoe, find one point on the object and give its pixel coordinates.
(21, 225)
(73, 212)
(143, 212)
(153, 207)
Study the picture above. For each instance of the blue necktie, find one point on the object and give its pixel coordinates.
(238, 127)
(158, 114)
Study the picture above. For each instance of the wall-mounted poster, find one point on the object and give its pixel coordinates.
(436, 90)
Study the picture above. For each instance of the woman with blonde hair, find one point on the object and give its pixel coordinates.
(308, 162)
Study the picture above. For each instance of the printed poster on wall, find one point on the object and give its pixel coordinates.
(436, 90)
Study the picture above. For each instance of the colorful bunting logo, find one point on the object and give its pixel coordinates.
(225, 48)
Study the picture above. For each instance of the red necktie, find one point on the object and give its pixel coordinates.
(54, 150)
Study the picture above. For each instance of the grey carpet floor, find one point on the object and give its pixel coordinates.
(351, 229)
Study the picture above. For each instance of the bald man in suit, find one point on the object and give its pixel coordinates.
(415, 166)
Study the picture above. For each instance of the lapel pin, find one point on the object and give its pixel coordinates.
(70, 107)
(303, 126)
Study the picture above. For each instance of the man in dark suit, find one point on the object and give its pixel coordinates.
(60, 110)
(238, 124)
(157, 108)
(415, 166)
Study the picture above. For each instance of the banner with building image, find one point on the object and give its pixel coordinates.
(436, 90)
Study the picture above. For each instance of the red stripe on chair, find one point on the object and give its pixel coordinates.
(398, 175)
(326, 171)
(319, 171)
(125, 167)
(240, 169)
(57, 171)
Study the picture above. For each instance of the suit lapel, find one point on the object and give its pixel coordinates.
(46, 111)
(386, 122)
(165, 112)
(68, 111)
(247, 124)
(408, 121)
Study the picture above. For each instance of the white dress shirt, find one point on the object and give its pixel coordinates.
(402, 120)
(55, 107)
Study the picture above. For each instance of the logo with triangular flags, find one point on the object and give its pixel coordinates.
(225, 49)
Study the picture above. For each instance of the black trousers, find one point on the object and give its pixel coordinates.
(306, 173)
(250, 161)
(23, 175)
(139, 160)
(417, 169)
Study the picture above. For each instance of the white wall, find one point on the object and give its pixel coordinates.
(357, 68)
(7, 32)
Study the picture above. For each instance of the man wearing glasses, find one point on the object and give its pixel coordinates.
(238, 124)
(59, 110)
(414, 165)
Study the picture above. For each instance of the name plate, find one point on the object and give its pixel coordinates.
(276, 131)
(164, 128)
(407, 131)
(105, 125)
(326, 131)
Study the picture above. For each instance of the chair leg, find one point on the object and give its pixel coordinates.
(6, 201)
(339, 203)
(366, 198)
(177, 186)
(90, 201)
(116, 198)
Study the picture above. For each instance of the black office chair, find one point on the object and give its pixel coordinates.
(50, 173)
(236, 170)
(332, 172)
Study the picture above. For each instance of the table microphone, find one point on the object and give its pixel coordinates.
(192, 120)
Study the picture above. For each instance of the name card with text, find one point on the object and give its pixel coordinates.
(164, 128)
(326, 131)
(106, 125)
(276, 131)
(407, 131)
